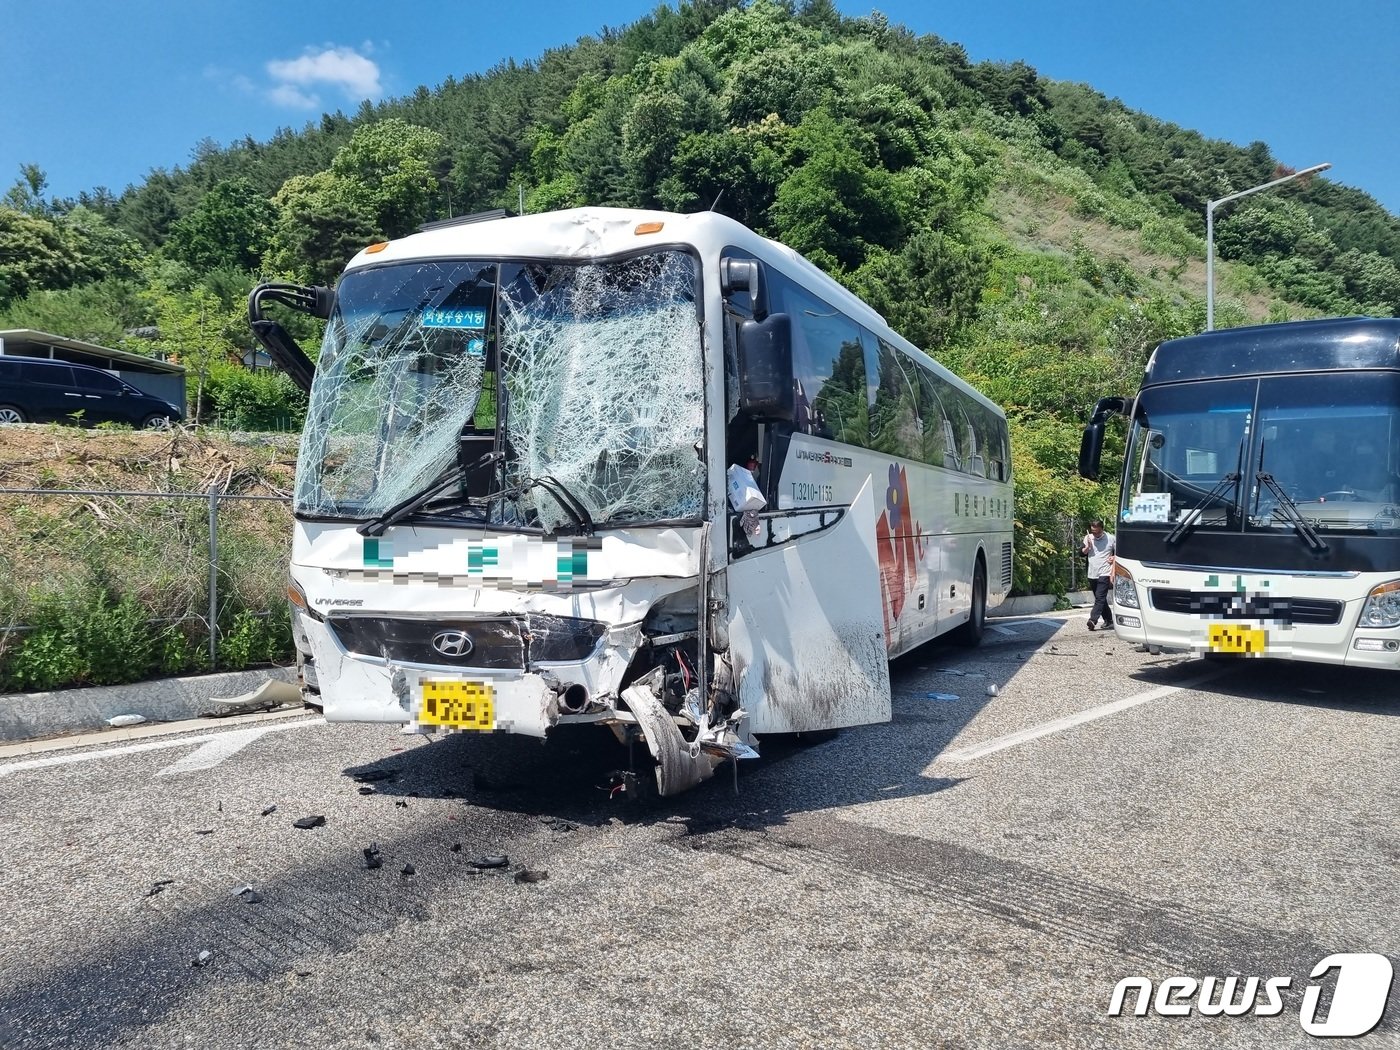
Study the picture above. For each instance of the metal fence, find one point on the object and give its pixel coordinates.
(190, 562)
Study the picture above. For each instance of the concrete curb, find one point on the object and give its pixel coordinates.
(29, 716)
(1029, 604)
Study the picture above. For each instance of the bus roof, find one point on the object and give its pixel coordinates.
(1296, 346)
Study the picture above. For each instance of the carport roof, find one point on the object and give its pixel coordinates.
(26, 342)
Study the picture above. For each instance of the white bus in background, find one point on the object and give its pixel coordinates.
(1260, 512)
(644, 470)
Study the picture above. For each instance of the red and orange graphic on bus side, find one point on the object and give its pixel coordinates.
(901, 547)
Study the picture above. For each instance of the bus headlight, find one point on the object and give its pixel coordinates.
(1124, 590)
(1382, 608)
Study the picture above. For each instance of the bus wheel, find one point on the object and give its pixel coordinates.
(971, 632)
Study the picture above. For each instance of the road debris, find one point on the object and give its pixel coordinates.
(408, 869)
(373, 858)
(491, 861)
(309, 822)
(117, 721)
(202, 959)
(248, 895)
(159, 886)
(526, 875)
(269, 811)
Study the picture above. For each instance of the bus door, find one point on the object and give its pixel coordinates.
(806, 627)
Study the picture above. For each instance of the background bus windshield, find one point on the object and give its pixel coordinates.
(1330, 443)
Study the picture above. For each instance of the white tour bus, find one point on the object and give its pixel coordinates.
(1260, 510)
(632, 468)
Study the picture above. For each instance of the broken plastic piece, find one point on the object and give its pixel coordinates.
(202, 959)
(118, 721)
(271, 694)
(309, 822)
(248, 895)
(942, 696)
(158, 886)
(270, 810)
(367, 790)
(204, 831)
(373, 858)
(408, 869)
(992, 689)
(526, 875)
(491, 861)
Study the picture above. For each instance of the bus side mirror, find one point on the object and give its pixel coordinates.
(744, 277)
(765, 369)
(1090, 451)
(1091, 445)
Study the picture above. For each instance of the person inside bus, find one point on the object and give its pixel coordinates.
(1100, 548)
(1370, 480)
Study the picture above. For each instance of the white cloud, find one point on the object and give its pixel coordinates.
(342, 68)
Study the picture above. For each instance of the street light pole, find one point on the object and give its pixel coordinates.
(1210, 232)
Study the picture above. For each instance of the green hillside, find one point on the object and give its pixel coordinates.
(1035, 236)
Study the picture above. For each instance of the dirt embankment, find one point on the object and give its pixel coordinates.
(179, 460)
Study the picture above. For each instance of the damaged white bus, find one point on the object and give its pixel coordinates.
(644, 470)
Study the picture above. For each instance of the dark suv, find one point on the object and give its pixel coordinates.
(37, 390)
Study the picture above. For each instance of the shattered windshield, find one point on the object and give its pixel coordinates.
(601, 390)
(400, 374)
(1325, 448)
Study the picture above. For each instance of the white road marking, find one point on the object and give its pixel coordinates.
(225, 745)
(1003, 630)
(1001, 743)
(150, 745)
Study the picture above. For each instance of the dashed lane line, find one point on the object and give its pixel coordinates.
(1057, 725)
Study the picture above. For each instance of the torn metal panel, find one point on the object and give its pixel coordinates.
(680, 764)
(605, 393)
(806, 629)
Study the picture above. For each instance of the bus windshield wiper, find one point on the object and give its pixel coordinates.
(420, 499)
(1290, 512)
(1189, 519)
(566, 499)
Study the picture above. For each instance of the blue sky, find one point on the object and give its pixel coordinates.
(98, 94)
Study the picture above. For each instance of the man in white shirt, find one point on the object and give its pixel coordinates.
(1099, 546)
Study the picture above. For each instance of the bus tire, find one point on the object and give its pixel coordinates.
(971, 632)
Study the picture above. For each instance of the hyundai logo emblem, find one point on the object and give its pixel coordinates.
(452, 643)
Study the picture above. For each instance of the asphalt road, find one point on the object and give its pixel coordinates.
(981, 872)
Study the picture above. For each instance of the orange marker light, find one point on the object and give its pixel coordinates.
(376, 247)
(648, 227)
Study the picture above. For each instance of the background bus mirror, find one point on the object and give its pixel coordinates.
(765, 369)
(1090, 451)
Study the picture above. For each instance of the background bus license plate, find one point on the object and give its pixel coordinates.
(1231, 638)
(457, 704)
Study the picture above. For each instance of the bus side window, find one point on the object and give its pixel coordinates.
(828, 366)
(895, 426)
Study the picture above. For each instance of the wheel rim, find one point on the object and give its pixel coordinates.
(10, 415)
(158, 423)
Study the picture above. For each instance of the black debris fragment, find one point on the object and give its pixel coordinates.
(563, 825)
(401, 803)
(373, 858)
(158, 886)
(248, 895)
(491, 861)
(309, 822)
(408, 869)
(456, 847)
(202, 959)
(367, 790)
(526, 875)
(204, 831)
(369, 776)
(269, 810)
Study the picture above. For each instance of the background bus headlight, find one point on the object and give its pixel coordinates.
(1124, 590)
(1382, 608)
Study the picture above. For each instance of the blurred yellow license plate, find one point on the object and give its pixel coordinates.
(1231, 638)
(457, 704)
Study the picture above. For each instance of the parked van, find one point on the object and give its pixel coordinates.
(38, 390)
